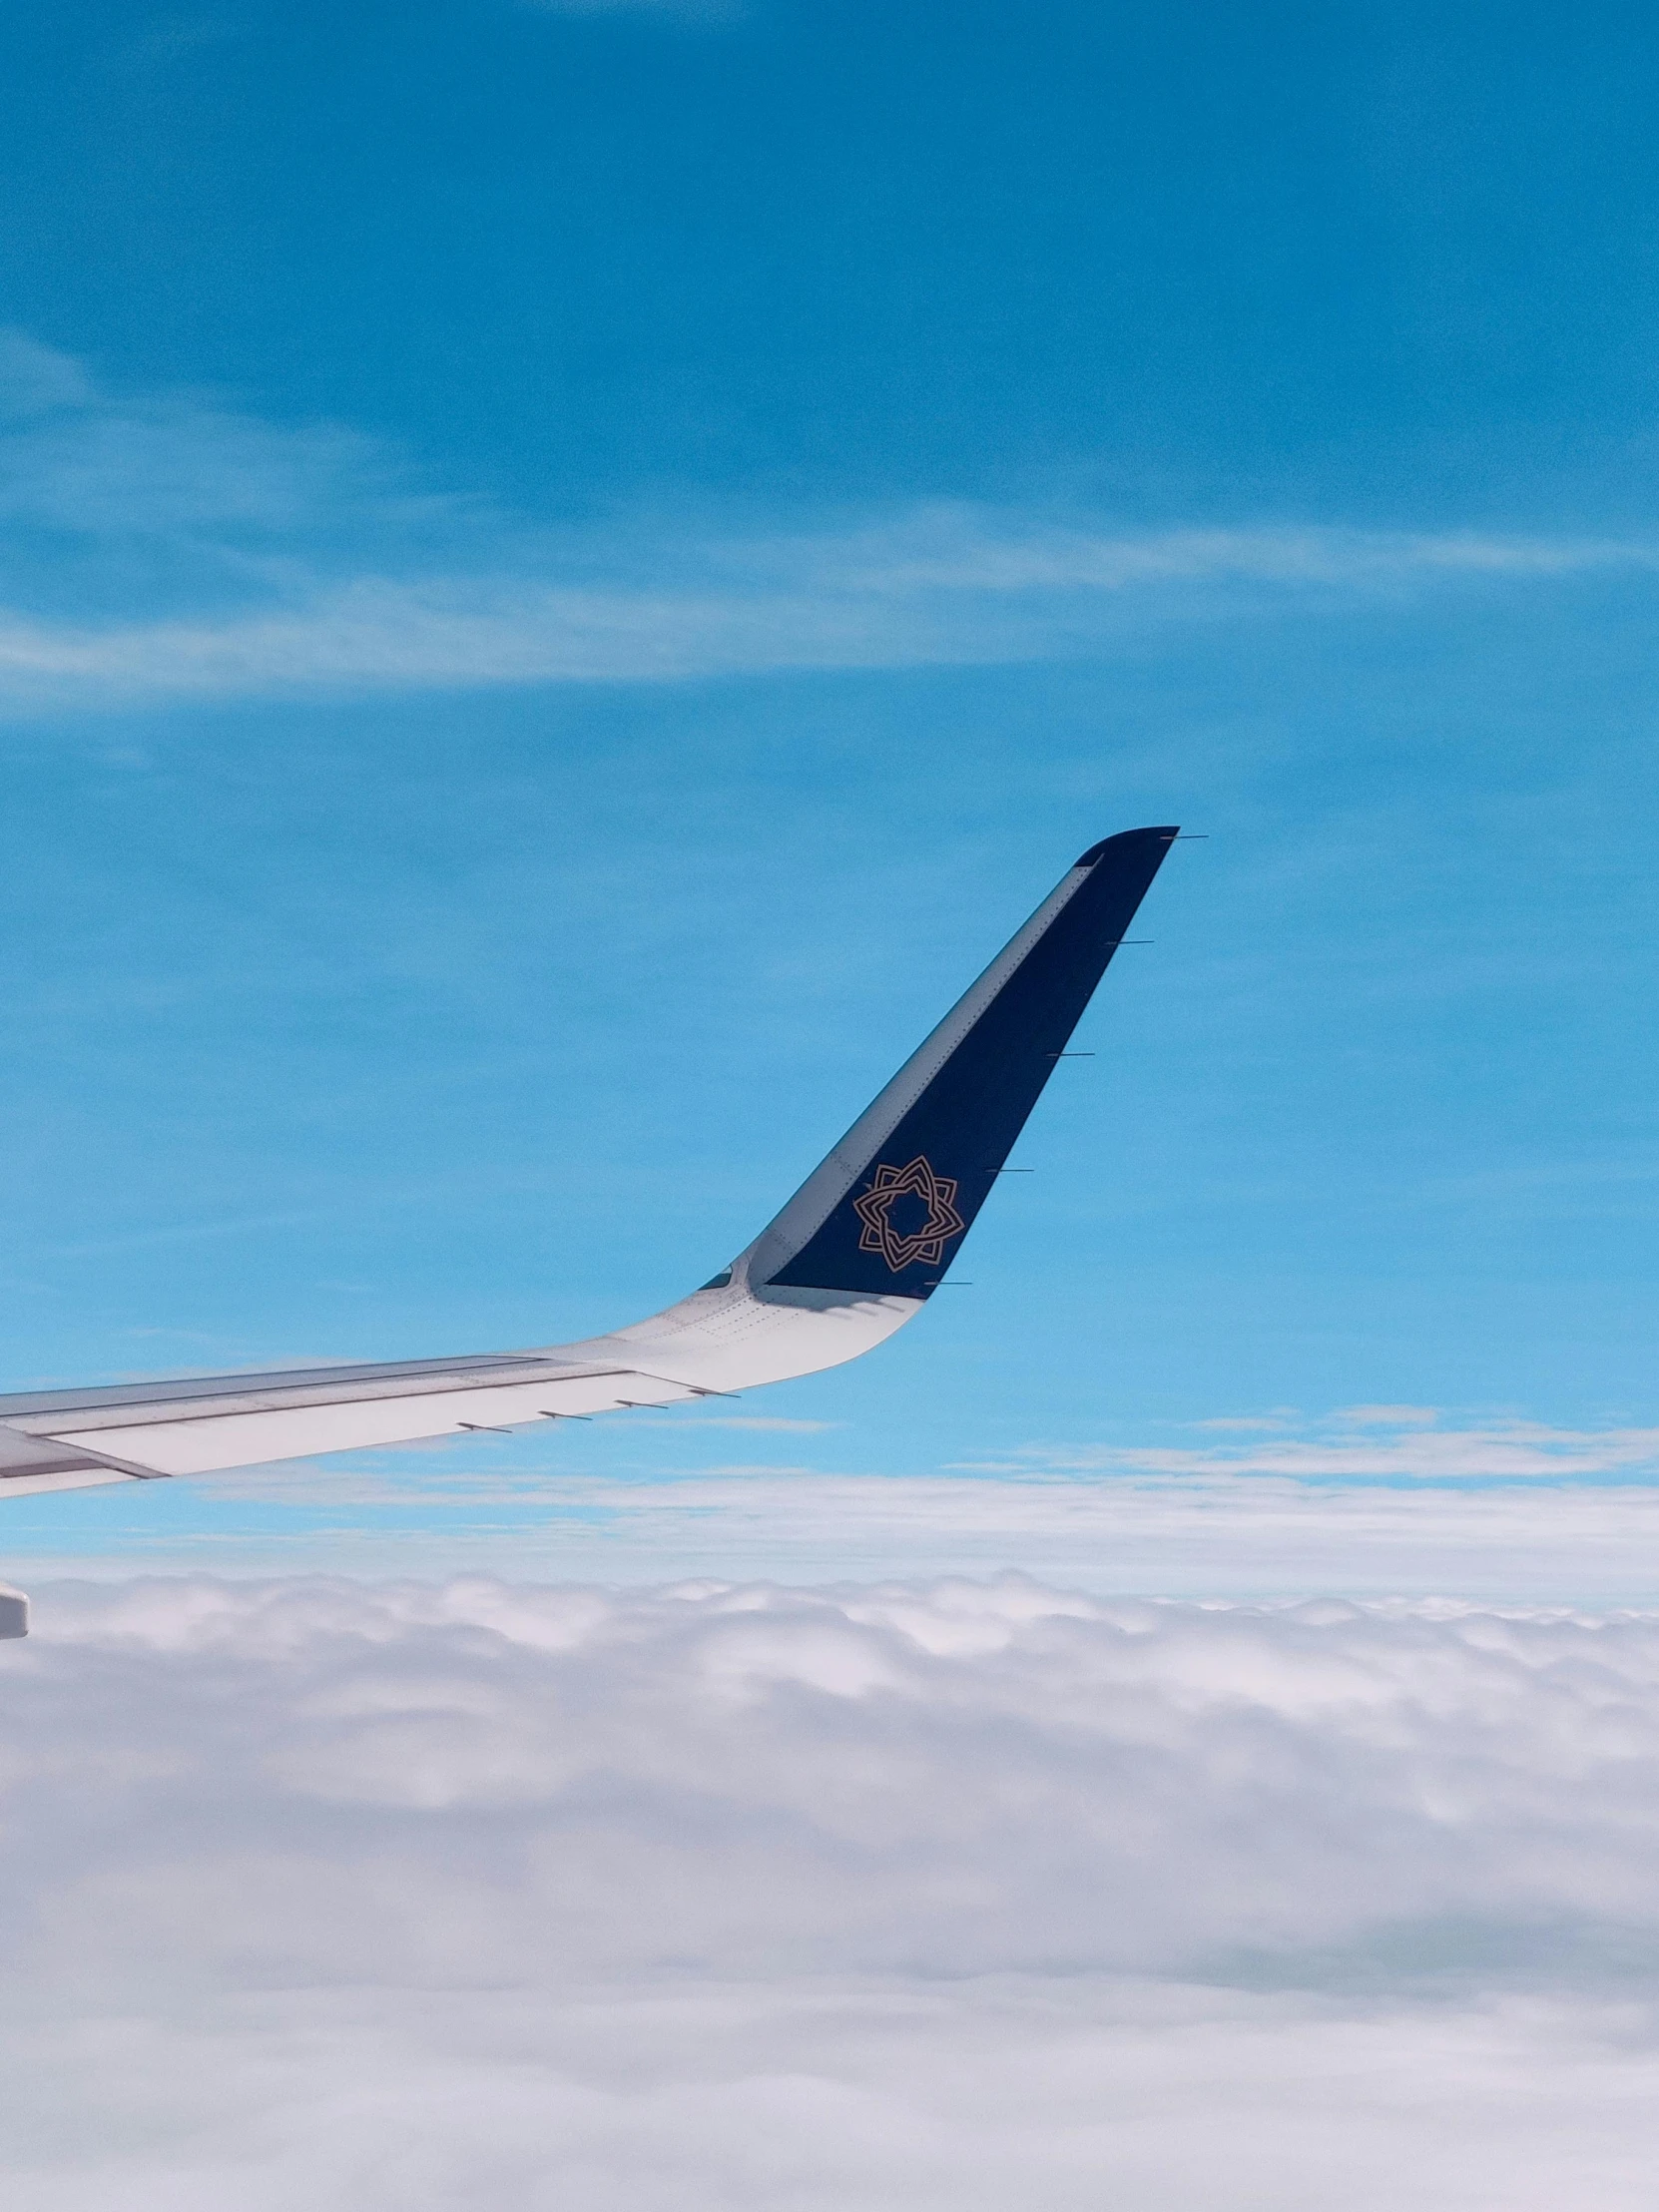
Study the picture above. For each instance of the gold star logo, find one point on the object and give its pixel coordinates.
(875, 1208)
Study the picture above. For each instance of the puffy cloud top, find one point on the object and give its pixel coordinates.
(478, 1894)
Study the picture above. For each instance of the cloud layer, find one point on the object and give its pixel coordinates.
(1215, 1534)
(962, 1894)
(1367, 1501)
(169, 545)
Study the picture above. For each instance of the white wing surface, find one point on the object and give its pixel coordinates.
(855, 1254)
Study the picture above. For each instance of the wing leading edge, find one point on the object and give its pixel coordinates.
(855, 1253)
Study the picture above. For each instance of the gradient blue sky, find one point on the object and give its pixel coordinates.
(570, 574)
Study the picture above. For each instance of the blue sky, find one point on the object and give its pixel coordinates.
(569, 574)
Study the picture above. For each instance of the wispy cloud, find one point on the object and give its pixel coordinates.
(37, 379)
(747, 609)
(1389, 1417)
(184, 470)
(1370, 1441)
(170, 546)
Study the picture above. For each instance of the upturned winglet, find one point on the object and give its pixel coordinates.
(887, 1210)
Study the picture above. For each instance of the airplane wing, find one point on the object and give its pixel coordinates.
(858, 1252)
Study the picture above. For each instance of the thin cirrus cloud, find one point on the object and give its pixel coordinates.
(731, 1896)
(1391, 1442)
(169, 545)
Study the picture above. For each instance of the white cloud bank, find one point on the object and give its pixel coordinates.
(1381, 1500)
(959, 1896)
(169, 546)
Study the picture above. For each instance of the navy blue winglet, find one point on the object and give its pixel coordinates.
(906, 1181)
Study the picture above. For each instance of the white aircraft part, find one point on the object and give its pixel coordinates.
(203, 1442)
(710, 1343)
(78, 1478)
